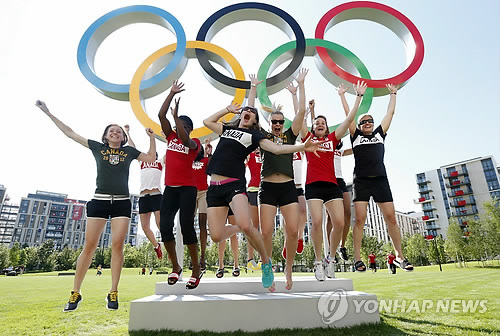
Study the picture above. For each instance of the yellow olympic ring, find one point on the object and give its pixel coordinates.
(134, 93)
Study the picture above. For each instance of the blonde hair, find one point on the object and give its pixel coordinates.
(274, 109)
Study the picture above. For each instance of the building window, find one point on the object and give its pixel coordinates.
(24, 206)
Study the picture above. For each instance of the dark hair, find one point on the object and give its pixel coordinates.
(187, 121)
(236, 122)
(105, 141)
(327, 129)
(200, 155)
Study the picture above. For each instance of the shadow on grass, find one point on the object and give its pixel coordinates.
(424, 325)
(381, 329)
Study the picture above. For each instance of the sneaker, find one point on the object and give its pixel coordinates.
(343, 253)
(283, 252)
(300, 246)
(319, 271)
(112, 300)
(267, 274)
(252, 265)
(74, 299)
(158, 251)
(329, 267)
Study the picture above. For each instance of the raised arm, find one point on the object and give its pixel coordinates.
(360, 89)
(253, 89)
(179, 126)
(293, 91)
(213, 123)
(127, 132)
(386, 122)
(162, 115)
(63, 127)
(307, 146)
(150, 156)
(341, 90)
(298, 120)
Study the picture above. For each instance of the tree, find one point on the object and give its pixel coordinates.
(243, 252)
(278, 243)
(46, 256)
(131, 256)
(32, 259)
(309, 256)
(211, 254)
(416, 249)
(64, 259)
(4, 256)
(22, 257)
(436, 255)
(455, 244)
(490, 223)
(370, 244)
(14, 252)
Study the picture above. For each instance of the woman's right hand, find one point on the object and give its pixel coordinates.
(234, 108)
(41, 105)
(177, 87)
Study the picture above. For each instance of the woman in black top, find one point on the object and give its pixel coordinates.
(111, 200)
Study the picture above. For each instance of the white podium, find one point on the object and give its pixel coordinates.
(230, 304)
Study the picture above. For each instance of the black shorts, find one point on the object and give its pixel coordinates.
(148, 203)
(278, 194)
(108, 209)
(377, 187)
(325, 191)
(373, 265)
(222, 195)
(300, 192)
(342, 185)
(252, 198)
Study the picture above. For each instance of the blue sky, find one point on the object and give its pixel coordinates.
(448, 112)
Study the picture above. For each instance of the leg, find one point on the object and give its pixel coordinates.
(357, 231)
(291, 215)
(254, 216)
(329, 227)
(267, 215)
(336, 214)
(221, 247)
(145, 220)
(92, 233)
(347, 217)
(219, 231)
(119, 228)
(187, 201)
(202, 220)
(316, 211)
(169, 207)
(302, 216)
(234, 243)
(389, 214)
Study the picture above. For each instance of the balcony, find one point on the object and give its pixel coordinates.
(432, 227)
(457, 183)
(422, 200)
(460, 193)
(430, 218)
(466, 212)
(419, 182)
(424, 190)
(456, 174)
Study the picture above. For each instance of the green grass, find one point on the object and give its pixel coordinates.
(32, 304)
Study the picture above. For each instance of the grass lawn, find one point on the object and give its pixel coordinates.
(32, 304)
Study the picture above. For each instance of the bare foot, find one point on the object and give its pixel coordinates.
(272, 288)
(288, 280)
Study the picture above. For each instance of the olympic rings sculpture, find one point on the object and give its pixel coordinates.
(335, 63)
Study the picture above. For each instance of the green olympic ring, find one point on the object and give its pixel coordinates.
(344, 57)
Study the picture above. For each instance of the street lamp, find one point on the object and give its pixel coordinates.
(431, 237)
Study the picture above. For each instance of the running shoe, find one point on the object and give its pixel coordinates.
(300, 246)
(158, 251)
(112, 300)
(74, 299)
(319, 271)
(252, 265)
(267, 274)
(329, 268)
(343, 253)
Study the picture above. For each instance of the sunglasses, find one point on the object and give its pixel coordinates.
(251, 109)
(274, 122)
(366, 121)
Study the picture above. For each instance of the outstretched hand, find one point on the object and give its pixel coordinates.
(177, 87)
(126, 128)
(234, 108)
(341, 89)
(311, 105)
(254, 80)
(302, 75)
(41, 105)
(392, 88)
(314, 147)
(150, 132)
(292, 88)
(360, 87)
(175, 109)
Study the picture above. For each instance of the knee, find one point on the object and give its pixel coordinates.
(117, 246)
(216, 237)
(292, 234)
(391, 220)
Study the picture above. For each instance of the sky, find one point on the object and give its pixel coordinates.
(447, 112)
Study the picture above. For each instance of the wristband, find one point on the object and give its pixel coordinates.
(394, 93)
(228, 110)
(359, 95)
(253, 85)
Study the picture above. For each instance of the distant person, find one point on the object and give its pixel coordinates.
(370, 180)
(143, 271)
(373, 262)
(150, 270)
(150, 196)
(99, 270)
(111, 200)
(390, 262)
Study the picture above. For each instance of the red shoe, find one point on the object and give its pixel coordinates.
(193, 282)
(300, 246)
(283, 252)
(158, 251)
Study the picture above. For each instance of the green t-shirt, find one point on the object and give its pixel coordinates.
(112, 167)
(272, 163)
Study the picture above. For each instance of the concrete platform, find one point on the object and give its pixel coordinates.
(230, 304)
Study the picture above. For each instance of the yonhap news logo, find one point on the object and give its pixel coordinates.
(332, 306)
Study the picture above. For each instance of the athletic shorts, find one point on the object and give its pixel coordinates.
(373, 265)
(149, 203)
(201, 201)
(278, 194)
(252, 198)
(341, 184)
(322, 190)
(376, 187)
(108, 209)
(222, 195)
(300, 192)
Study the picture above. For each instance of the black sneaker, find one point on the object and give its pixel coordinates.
(73, 302)
(112, 300)
(343, 253)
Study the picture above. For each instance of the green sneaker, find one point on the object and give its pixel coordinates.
(267, 274)
(112, 300)
(74, 299)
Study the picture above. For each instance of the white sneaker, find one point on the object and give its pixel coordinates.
(329, 268)
(319, 271)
